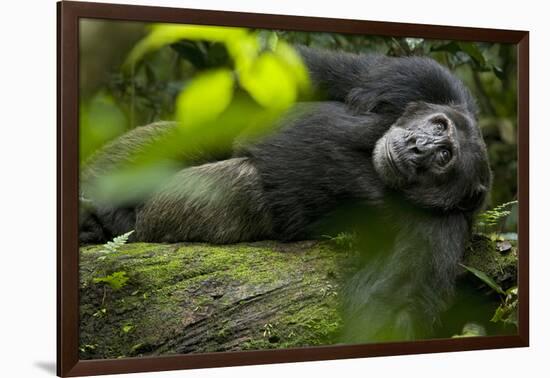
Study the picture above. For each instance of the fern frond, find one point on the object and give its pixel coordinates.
(491, 217)
(116, 243)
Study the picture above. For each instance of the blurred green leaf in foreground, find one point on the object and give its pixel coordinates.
(242, 98)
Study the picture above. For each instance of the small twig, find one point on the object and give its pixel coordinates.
(104, 296)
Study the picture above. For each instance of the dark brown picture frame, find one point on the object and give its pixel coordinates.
(69, 13)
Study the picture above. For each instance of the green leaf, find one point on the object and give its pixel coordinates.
(491, 217)
(243, 51)
(295, 66)
(269, 82)
(127, 328)
(205, 98)
(485, 278)
(116, 243)
(131, 183)
(507, 312)
(116, 281)
(166, 34)
(474, 52)
(512, 291)
(101, 120)
(499, 314)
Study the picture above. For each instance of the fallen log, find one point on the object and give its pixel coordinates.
(153, 299)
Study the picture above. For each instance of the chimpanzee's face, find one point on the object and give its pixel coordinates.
(436, 156)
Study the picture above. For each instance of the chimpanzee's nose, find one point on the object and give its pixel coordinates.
(421, 146)
(422, 143)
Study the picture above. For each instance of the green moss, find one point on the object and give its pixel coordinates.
(179, 286)
(192, 298)
(483, 254)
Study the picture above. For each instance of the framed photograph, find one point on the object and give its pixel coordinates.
(238, 188)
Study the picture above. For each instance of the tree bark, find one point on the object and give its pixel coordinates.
(153, 299)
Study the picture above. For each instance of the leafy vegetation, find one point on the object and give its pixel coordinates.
(485, 278)
(116, 243)
(116, 281)
(491, 218)
(507, 310)
(254, 80)
(343, 240)
(491, 222)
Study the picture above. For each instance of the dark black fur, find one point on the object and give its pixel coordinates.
(385, 85)
(319, 169)
(315, 164)
(415, 238)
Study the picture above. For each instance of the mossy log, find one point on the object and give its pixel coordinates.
(152, 299)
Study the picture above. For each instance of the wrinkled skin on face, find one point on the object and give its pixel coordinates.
(435, 155)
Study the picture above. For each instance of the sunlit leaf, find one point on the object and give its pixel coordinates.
(269, 82)
(512, 291)
(243, 51)
(205, 98)
(506, 313)
(127, 328)
(294, 64)
(116, 281)
(243, 119)
(166, 34)
(152, 165)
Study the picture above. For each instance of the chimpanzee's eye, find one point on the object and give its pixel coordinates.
(444, 156)
(440, 124)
